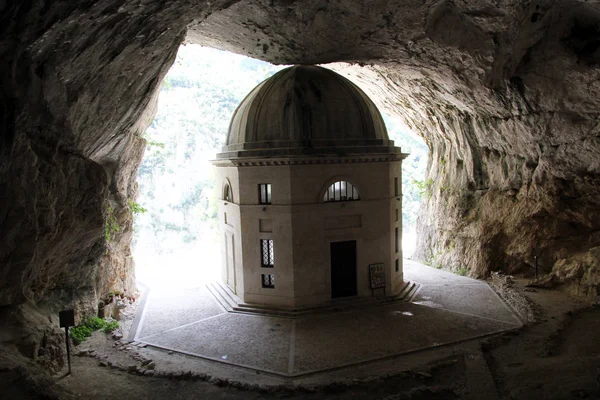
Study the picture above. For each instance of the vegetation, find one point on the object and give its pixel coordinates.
(136, 208)
(116, 294)
(95, 323)
(80, 333)
(462, 271)
(110, 326)
(423, 188)
(111, 226)
(84, 330)
(413, 170)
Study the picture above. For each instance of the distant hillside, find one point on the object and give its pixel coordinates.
(176, 181)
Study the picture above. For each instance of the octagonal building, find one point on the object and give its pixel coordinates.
(310, 206)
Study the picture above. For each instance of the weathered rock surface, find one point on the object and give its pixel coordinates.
(78, 87)
(505, 93)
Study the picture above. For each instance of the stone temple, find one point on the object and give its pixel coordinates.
(311, 194)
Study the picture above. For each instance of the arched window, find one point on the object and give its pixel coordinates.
(227, 194)
(341, 191)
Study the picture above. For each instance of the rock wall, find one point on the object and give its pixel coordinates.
(505, 93)
(78, 87)
(514, 167)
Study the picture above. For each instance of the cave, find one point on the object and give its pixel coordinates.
(505, 94)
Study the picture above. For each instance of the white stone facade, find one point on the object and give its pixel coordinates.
(303, 226)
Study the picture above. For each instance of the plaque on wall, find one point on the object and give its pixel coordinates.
(377, 276)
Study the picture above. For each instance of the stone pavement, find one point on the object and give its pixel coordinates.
(446, 309)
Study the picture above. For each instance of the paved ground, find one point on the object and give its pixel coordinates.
(447, 309)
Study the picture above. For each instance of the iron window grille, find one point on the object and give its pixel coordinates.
(268, 281)
(341, 191)
(267, 256)
(264, 193)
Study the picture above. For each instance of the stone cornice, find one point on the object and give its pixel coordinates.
(268, 162)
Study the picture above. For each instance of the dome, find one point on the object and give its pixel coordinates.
(306, 110)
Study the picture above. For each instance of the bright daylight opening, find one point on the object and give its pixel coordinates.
(176, 241)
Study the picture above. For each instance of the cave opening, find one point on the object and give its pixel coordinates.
(176, 234)
(175, 241)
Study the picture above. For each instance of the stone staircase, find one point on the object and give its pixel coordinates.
(234, 304)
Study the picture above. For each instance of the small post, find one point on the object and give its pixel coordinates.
(66, 319)
(68, 348)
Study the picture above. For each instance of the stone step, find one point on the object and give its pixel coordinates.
(340, 305)
(404, 288)
(232, 303)
(412, 291)
(220, 295)
(404, 293)
(230, 297)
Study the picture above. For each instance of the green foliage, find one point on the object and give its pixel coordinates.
(151, 143)
(445, 190)
(110, 326)
(167, 84)
(136, 208)
(84, 330)
(95, 323)
(111, 226)
(424, 187)
(80, 333)
(154, 143)
(413, 168)
(462, 271)
(197, 100)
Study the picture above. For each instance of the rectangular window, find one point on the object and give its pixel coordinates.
(396, 191)
(397, 265)
(268, 281)
(264, 193)
(396, 215)
(396, 239)
(225, 218)
(267, 256)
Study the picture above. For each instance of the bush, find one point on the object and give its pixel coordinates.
(110, 326)
(95, 323)
(80, 333)
(84, 330)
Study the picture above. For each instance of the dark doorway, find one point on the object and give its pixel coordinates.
(343, 269)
